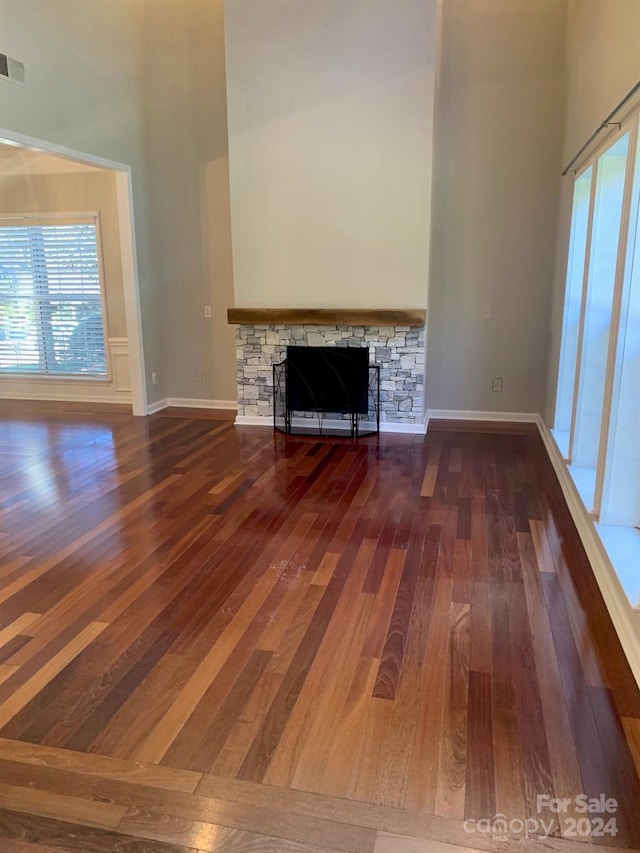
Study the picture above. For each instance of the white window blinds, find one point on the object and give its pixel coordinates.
(50, 298)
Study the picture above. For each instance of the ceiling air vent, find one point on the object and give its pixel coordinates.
(12, 69)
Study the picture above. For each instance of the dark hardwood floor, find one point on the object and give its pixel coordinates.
(221, 639)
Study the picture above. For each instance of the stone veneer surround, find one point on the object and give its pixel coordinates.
(399, 350)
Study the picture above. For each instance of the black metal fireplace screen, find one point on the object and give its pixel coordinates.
(336, 386)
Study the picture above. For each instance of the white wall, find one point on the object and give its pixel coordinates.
(330, 108)
(497, 159)
(603, 50)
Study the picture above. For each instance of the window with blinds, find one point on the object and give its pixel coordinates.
(50, 298)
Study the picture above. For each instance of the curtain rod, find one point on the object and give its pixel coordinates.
(605, 123)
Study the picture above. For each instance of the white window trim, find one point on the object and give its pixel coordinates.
(620, 544)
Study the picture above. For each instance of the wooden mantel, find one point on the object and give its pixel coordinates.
(328, 316)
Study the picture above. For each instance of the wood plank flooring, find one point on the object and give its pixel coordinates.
(220, 639)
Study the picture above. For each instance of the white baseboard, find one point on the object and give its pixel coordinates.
(191, 403)
(385, 426)
(406, 429)
(196, 403)
(626, 620)
(252, 420)
(158, 406)
(468, 415)
(62, 397)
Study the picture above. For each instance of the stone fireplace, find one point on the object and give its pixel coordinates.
(396, 341)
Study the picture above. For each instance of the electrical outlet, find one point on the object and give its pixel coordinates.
(154, 378)
(207, 311)
(197, 374)
(487, 312)
(496, 385)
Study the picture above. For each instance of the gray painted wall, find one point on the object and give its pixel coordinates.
(84, 92)
(99, 82)
(186, 148)
(497, 156)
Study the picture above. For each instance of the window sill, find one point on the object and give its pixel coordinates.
(55, 377)
(584, 480)
(622, 545)
(562, 440)
(613, 550)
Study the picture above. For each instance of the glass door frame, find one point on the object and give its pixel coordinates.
(630, 126)
(616, 309)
